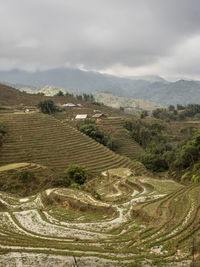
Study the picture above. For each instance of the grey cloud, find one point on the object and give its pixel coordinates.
(96, 34)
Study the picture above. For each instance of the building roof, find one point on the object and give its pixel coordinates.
(98, 115)
(69, 105)
(81, 116)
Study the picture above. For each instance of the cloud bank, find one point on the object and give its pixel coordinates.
(122, 37)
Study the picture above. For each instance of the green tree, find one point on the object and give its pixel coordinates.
(180, 107)
(171, 108)
(92, 131)
(60, 93)
(47, 106)
(78, 174)
(143, 114)
(25, 176)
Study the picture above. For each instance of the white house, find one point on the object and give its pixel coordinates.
(81, 117)
(69, 105)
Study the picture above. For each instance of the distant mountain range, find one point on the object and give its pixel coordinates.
(151, 88)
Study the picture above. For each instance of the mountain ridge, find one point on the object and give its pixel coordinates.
(161, 92)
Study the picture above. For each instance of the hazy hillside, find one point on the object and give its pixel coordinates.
(130, 104)
(160, 91)
(148, 78)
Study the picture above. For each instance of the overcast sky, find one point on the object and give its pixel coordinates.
(121, 37)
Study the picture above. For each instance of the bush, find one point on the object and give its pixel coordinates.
(60, 93)
(191, 110)
(185, 176)
(63, 181)
(154, 162)
(2, 132)
(143, 132)
(143, 114)
(47, 106)
(90, 129)
(77, 173)
(24, 176)
(196, 178)
(196, 166)
(197, 116)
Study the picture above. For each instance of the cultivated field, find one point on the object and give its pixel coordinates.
(135, 220)
(139, 221)
(41, 139)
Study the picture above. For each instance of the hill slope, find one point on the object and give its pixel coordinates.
(126, 145)
(41, 139)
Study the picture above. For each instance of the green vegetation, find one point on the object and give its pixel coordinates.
(89, 128)
(47, 106)
(152, 138)
(86, 97)
(78, 174)
(74, 174)
(60, 93)
(163, 152)
(143, 114)
(2, 132)
(24, 176)
(185, 161)
(113, 126)
(181, 113)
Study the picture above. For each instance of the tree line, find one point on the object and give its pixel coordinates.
(163, 152)
(179, 112)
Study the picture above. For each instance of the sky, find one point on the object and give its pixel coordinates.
(119, 37)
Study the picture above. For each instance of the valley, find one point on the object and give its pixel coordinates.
(122, 215)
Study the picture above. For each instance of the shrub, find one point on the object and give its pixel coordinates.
(185, 176)
(60, 93)
(143, 114)
(24, 176)
(47, 106)
(77, 173)
(2, 132)
(196, 178)
(196, 166)
(153, 162)
(63, 181)
(90, 129)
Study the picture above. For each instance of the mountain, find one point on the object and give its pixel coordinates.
(148, 78)
(154, 89)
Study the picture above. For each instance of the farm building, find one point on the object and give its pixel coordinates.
(81, 117)
(69, 105)
(99, 116)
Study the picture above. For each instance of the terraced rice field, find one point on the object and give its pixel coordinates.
(41, 139)
(138, 220)
(127, 146)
